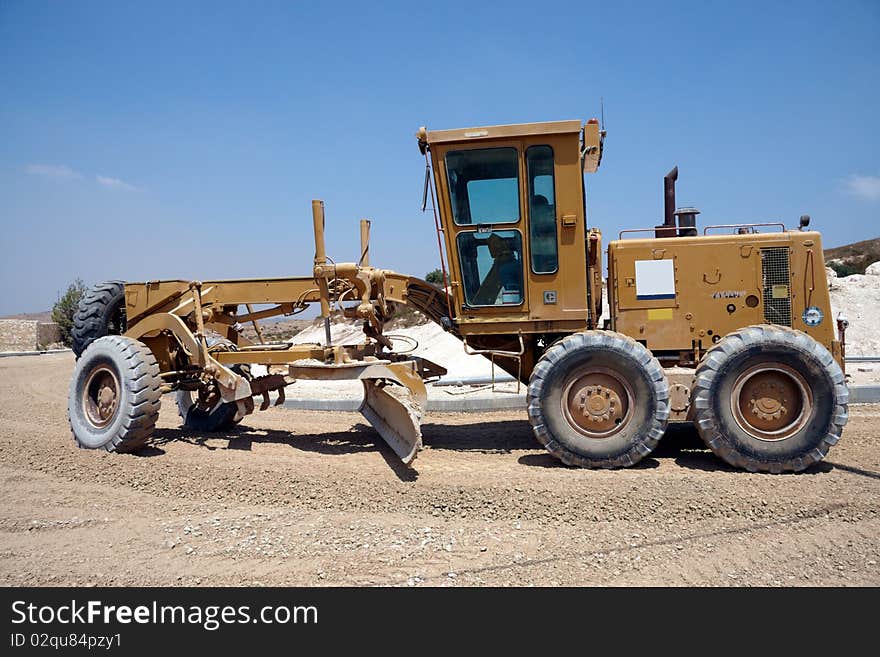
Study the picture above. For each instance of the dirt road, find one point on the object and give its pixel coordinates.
(307, 498)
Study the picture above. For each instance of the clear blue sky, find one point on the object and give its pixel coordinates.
(183, 139)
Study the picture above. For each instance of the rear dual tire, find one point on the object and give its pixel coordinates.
(768, 398)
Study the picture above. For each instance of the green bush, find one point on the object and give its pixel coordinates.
(435, 277)
(844, 270)
(65, 308)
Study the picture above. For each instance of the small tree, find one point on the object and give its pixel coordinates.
(435, 277)
(65, 308)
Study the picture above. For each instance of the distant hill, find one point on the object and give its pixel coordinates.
(853, 258)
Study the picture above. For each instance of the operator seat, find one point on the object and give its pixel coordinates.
(505, 274)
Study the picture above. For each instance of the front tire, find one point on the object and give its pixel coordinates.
(114, 397)
(769, 398)
(598, 399)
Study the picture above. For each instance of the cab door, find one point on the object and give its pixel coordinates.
(485, 235)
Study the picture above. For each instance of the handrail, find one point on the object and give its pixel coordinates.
(772, 223)
(470, 351)
(516, 355)
(674, 229)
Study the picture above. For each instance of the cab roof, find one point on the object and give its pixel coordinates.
(502, 131)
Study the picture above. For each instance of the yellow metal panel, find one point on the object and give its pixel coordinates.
(626, 282)
(592, 147)
(719, 287)
(491, 132)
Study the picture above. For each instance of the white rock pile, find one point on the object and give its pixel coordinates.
(858, 298)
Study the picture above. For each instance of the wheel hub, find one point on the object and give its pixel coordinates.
(600, 405)
(597, 403)
(101, 396)
(771, 402)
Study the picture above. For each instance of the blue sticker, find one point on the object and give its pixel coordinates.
(813, 316)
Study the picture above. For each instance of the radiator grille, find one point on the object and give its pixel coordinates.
(776, 281)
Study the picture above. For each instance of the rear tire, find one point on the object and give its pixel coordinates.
(769, 398)
(221, 417)
(114, 397)
(598, 399)
(101, 312)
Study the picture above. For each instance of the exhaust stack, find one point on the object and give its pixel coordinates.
(687, 221)
(667, 228)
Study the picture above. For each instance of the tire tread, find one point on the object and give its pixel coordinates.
(90, 319)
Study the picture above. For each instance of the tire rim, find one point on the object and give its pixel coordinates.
(771, 401)
(101, 396)
(597, 402)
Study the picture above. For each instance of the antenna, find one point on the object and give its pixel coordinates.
(602, 110)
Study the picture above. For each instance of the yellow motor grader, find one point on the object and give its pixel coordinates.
(729, 328)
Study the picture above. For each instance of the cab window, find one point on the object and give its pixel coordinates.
(483, 186)
(492, 267)
(542, 210)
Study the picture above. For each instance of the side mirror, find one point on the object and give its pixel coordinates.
(805, 221)
(422, 136)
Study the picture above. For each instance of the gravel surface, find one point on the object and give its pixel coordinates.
(309, 498)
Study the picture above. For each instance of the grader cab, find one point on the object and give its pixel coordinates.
(729, 329)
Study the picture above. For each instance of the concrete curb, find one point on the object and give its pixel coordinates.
(864, 394)
(504, 402)
(7, 354)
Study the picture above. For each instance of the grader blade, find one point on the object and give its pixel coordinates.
(394, 413)
(394, 397)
